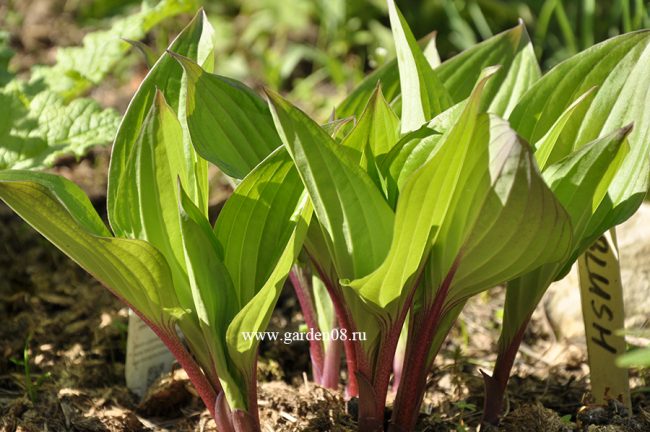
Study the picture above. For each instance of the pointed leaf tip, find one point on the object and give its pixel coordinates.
(192, 69)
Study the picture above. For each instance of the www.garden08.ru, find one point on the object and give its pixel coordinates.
(311, 335)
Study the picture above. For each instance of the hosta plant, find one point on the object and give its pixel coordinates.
(162, 257)
(432, 183)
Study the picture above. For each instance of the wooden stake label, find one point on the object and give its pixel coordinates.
(146, 356)
(602, 307)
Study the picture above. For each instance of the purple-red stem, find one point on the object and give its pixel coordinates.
(307, 306)
(253, 409)
(372, 401)
(349, 345)
(332, 365)
(206, 390)
(417, 364)
(495, 385)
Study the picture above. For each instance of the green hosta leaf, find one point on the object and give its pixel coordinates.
(430, 51)
(356, 221)
(425, 207)
(148, 191)
(377, 130)
(195, 41)
(58, 209)
(511, 50)
(337, 127)
(423, 94)
(230, 125)
(255, 315)
(6, 53)
(615, 67)
(324, 308)
(414, 149)
(550, 149)
(248, 231)
(374, 135)
(511, 224)
(579, 182)
(36, 134)
(260, 232)
(618, 69)
(408, 155)
(213, 293)
(638, 358)
(79, 68)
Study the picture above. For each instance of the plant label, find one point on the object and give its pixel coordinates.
(146, 356)
(601, 292)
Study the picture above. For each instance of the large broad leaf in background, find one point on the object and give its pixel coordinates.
(44, 118)
(79, 68)
(230, 125)
(166, 75)
(132, 269)
(34, 134)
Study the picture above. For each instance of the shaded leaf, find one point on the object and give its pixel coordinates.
(230, 125)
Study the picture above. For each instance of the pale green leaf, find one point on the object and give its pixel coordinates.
(374, 135)
(356, 221)
(638, 358)
(248, 231)
(213, 293)
(195, 41)
(260, 232)
(132, 269)
(414, 149)
(426, 204)
(550, 148)
(376, 131)
(519, 70)
(148, 191)
(518, 223)
(423, 94)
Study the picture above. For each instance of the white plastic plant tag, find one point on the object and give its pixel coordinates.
(602, 307)
(146, 356)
